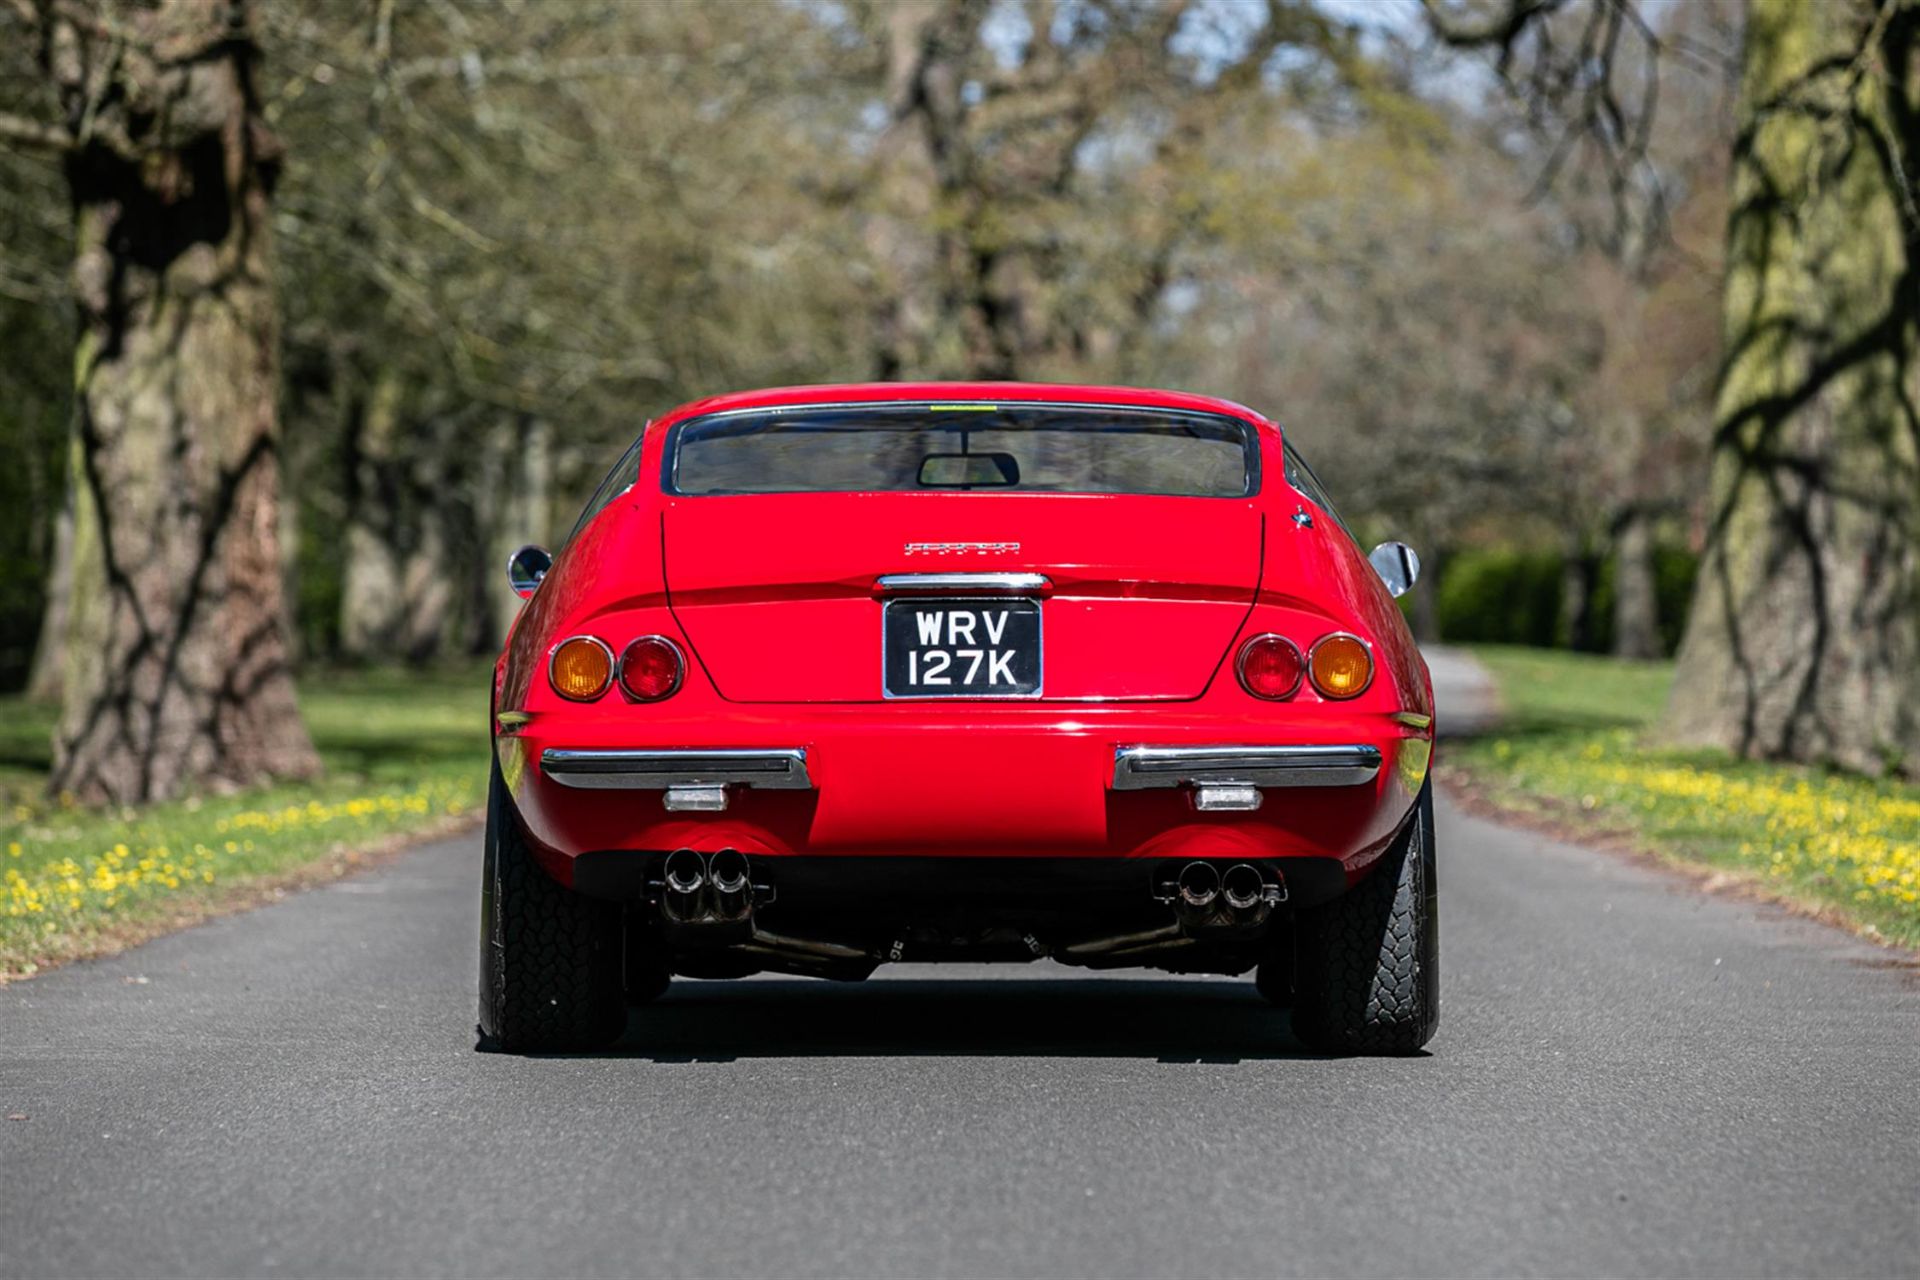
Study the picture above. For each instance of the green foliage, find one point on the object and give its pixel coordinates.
(1577, 750)
(539, 220)
(1513, 596)
(1500, 596)
(548, 222)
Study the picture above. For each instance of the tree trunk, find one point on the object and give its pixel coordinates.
(372, 594)
(1426, 597)
(1636, 601)
(398, 597)
(47, 677)
(906, 305)
(1576, 597)
(1804, 639)
(427, 584)
(177, 671)
(518, 510)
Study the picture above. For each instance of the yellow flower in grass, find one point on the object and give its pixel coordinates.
(1846, 831)
(127, 871)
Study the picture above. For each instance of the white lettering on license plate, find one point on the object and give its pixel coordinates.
(958, 652)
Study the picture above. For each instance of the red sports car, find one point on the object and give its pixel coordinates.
(831, 676)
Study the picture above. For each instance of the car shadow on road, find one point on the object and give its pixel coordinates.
(1202, 1021)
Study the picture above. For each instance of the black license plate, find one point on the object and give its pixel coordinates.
(961, 648)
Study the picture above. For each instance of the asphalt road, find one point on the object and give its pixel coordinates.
(1630, 1078)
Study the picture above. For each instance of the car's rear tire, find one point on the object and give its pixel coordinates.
(549, 958)
(1368, 973)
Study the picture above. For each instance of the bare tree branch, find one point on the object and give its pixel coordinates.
(1500, 30)
(1600, 89)
(528, 68)
(25, 134)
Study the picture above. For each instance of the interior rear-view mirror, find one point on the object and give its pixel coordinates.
(969, 470)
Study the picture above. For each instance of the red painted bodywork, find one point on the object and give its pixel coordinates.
(772, 598)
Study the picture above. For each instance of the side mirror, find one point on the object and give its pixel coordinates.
(1397, 566)
(526, 567)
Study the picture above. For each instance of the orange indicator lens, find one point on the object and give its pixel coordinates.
(581, 669)
(1340, 666)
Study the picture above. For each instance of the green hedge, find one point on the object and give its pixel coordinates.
(1500, 597)
(1512, 596)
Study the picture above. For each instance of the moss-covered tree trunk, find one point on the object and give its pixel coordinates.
(373, 603)
(516, 507)
(177, 672)
(47, 675)
(1804, 639)
(1636, 597)
(397, 590)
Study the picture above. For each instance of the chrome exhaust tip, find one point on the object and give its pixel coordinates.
(683, 876)
(684, 872)
(731, 878)
(728, 871)
(1243, 886)
(1199, 884)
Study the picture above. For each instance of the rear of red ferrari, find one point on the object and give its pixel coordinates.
(836, 676)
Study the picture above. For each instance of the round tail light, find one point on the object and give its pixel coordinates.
(1340, 665)
(1270, 667)
(581, 668)
(651, 669)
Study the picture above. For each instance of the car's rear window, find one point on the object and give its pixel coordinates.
(966, 447)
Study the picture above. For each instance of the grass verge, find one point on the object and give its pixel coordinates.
(406, 755)
(1576, 752)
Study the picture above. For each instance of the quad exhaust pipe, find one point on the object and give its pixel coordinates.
(1207, 898)
(707, 901)
(696, 889)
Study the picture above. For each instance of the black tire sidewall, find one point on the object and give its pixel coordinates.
(1364, 985)
(550, 959)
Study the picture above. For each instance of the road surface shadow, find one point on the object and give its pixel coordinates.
(1205, 1021)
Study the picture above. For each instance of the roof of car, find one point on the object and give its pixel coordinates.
(913, 392)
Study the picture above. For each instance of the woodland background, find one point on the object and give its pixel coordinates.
(1473, 254)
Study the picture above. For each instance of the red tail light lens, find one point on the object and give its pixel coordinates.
(651, 669)
(1271, 666)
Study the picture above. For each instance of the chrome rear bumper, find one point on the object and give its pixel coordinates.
(1144, 768)
(1134, 768)
(778, 770)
